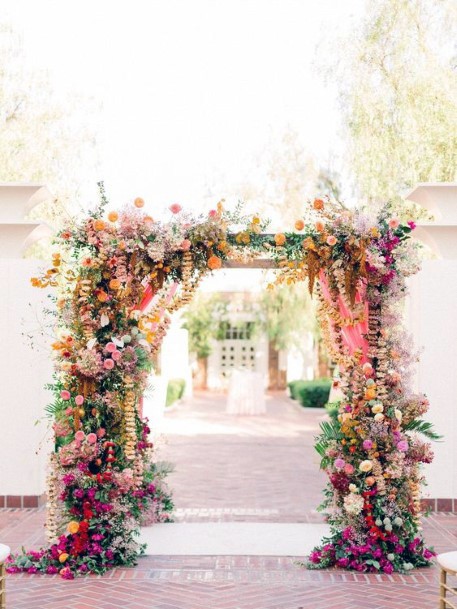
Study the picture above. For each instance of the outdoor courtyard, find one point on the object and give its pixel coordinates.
(243, 469)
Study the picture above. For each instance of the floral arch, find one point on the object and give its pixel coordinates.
(118, 276)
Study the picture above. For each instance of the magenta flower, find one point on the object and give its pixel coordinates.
(403, 446)
(367, 444)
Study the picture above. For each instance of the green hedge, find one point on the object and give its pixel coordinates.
(313, 394)
(175, 390)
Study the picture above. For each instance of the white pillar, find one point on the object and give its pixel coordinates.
(24, 371)
(433, 317)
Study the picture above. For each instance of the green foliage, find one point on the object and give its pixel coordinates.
(423, 427)
(333, 409)
(398, 88)
(202, 320)
(288, 314)
(175, 391)
(330, 433)
(315, 393)
(294, 387)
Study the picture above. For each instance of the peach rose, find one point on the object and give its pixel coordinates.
(138, 202)
(319, 226)
(299, 225)
(331, 240)
(72, 527)
(394, 223)
(113, 216)
(366, 466)
(99, 225)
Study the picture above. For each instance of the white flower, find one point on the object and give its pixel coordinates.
(398, 415)
(379, 417)
(377, 408)
(353, 488)
(353, 504)
(366, 466)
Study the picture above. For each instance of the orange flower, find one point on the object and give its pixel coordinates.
(256, 220)
(113, 216)
(222, 246)
(214, 262)
(139, 202)
(72, 527)
(87, 262)
(370, 480)
(299, 225)
(318, 204)
(280, 239)
(63, 557)
(114, 284)
(99, 225)
(148, 219)
(319, 226)
(66, 234)
(308, 244)
(102, 296)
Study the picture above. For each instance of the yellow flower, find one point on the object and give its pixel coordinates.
(366, 466)
(374, 231)
(73, 527)
(308, 244)
(377, 408)
(256, 220)
(63, 557)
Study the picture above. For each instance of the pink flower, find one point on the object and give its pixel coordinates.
(101, 432)
(175, 208)
(213, 213)
(108, 364)
(403, 446)
(116, 355)
(339, 463)
(65, 395)
(394, 223)
(411, 224)
(348, 469)
(69, 411)
(92, 438)
(185, 245)
(367, 444)
(79, 400)
(79, 436)
(331, 240)
(110, 347)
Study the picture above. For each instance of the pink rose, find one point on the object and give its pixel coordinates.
(79, 400)
(65, 395)
(175, 208)
(116, 355)
(339, 463)
(394, 223)
(348, 469)
(213, 213)
(367, 444)
(185, 245)
(108, 364)
(110, 347)
(69, 411)
(101, 432)
(92, 438)
(403, 446)
(79, 436)
(331, 240)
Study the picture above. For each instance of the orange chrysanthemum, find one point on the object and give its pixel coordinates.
(214, 262)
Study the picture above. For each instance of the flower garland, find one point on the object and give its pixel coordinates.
(118, 275)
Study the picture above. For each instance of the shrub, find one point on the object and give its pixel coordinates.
(294, 387)
(175, 390)
(314, 394)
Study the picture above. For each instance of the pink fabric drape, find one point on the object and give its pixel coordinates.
(148, 297)
(353, 335)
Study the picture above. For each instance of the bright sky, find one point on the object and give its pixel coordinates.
(192, 90)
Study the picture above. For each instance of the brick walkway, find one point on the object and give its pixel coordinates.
(230, 469)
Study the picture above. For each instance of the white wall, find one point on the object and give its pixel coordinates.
(433, 317)
(23, 373)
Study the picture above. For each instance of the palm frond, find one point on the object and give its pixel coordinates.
(423, 427)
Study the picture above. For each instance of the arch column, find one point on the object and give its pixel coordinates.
(433, 323)
(22, 396)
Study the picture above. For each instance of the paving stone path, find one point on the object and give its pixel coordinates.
(249, 469)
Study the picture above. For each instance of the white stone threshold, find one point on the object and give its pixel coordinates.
(232, 538)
